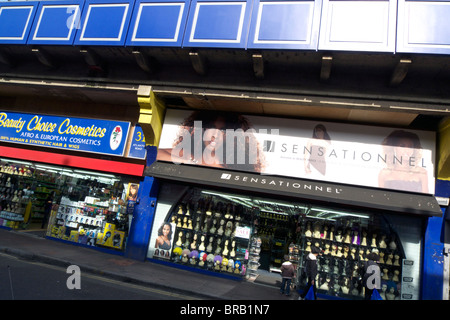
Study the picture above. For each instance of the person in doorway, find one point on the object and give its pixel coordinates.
(311, 271)
(47, 209)
(287, 274)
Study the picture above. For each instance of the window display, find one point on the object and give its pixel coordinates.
(101, 217)
(201, 229)
(22, 198)
(245, 235)
(346, 240)
(81, 206)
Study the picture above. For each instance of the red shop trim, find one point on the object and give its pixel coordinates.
(73, 161)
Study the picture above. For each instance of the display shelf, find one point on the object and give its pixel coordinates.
(94, 220)
(253, 263)
(12, 201)
(8, 215)
(207, 237)
(87, 223)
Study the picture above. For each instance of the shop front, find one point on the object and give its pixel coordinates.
(76, 178)
(238, 213)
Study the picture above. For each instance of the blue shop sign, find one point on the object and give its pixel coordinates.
(137, 147)
(88, 135)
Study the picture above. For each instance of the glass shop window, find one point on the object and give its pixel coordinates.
(247, 236)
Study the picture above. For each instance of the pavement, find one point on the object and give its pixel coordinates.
(33, 245)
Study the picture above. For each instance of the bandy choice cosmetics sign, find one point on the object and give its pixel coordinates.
(368, 156)
(89, 135)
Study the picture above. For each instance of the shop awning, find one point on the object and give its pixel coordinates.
(379, 199)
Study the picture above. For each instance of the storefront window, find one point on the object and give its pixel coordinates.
(81, 206)
(347, 238)
(201, 229)
(246, 236)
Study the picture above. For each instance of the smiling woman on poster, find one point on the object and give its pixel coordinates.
(215, 139)
(132, 191)
(164, 239)
(404, 169)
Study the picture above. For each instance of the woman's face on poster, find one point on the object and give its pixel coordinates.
(405, 148)
(220, 123)
(213, 138)
(320, 134)
(166, 230)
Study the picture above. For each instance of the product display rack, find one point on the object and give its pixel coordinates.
(89, 223)
(253, 262)
(12, 202)
(22, 196)
(207, 239)
(208, 233)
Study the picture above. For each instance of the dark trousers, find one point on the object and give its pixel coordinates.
(286, 285)
(367, 293)
(45, 219)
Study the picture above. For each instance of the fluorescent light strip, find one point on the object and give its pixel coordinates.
(225, 195)
(281, 204)
(47, 167)
(14, 161)
(419, 109)
(284, 99)
(249, 203)
(352, 104)
(342, 213)
(269, 211)
(96, 173)
(244, 203)
(320, 218)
